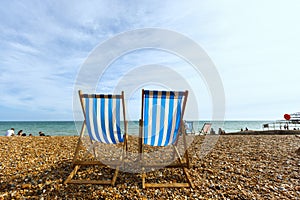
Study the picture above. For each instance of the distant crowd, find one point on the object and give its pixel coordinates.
(11, 132)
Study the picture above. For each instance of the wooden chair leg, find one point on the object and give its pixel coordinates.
(188, 177)
(79, 143)
(113, 181)
(72, 174)
(76, 151)
(183, 167)
(143, 178)
(187, 159)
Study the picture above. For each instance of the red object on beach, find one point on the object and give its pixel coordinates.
(287, 116)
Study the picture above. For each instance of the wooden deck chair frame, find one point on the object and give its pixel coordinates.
(76, 163)
(180, 164)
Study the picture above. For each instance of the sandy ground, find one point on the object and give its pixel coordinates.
(225, 167)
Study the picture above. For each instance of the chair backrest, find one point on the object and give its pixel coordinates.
(162, 113)
(102, 114)
(206, 127)
(189, 127)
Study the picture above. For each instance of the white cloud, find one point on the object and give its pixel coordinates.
(254, 45)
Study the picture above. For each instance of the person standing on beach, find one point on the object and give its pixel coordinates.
(10, 132)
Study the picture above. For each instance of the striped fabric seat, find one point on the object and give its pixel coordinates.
(162, 117)
(102, 115)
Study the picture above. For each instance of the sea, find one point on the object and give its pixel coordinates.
(72, 128)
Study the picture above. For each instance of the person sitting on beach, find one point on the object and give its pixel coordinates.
(10, 132)
(20, 133)
(221, 132)
(41, 133)
(23, 134)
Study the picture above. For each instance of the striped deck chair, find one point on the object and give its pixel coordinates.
(160, 126)
(102, 115)
(189, 127)
(205, 128)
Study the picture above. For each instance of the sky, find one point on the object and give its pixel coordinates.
(254, 45)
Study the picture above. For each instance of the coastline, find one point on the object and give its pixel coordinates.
(238, 166)
(71, 128)
(266, 132)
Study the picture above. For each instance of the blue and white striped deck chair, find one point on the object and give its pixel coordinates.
(189, 127)
(160, 126)
(102, 119)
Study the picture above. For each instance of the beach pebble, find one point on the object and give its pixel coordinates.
(235, 167)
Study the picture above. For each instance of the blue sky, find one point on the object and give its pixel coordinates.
(254, 45)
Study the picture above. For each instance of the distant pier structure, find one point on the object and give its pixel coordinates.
(290, 122)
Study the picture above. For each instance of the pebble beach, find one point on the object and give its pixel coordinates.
(236, 167)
